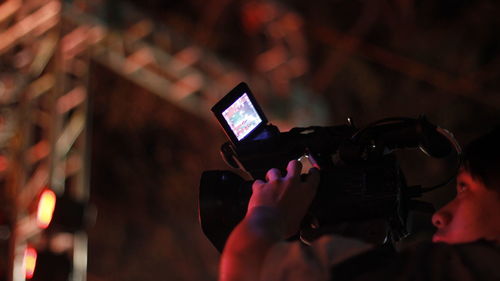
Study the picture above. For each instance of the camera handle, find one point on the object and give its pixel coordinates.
(227, 154)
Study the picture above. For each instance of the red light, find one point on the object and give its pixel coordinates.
(3, 163)
(30, 255)
(46, 207)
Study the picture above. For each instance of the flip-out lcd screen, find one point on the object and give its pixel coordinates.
(242, 117)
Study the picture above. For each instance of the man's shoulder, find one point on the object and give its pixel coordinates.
(425, 261)
(479, 250)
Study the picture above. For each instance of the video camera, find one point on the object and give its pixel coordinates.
(360, 177)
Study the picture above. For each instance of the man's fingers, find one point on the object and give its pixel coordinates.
(293, 169)
(273, 174)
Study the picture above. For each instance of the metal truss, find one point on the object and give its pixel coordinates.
(44, 138)
(44, 105)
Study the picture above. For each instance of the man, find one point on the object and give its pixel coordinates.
(466, 241)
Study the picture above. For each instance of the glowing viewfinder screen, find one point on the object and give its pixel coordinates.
(242, 117)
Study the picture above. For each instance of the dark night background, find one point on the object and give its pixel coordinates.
(361, 59)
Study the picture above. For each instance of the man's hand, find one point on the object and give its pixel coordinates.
(288, 196)
(275, 211)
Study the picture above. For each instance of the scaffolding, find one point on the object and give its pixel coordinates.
(46, 52)
(43, 90)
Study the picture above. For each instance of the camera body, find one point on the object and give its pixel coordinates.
(360, 178)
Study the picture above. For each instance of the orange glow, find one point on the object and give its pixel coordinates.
(46, 207)
(38, 151)
(28, 24)
(71, 100)
(30, 261)
(4, 163)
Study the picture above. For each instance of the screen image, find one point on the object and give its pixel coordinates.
(242, 117)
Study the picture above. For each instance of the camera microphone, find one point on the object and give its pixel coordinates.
(399, 133)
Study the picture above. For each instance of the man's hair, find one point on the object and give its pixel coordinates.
(482, 159)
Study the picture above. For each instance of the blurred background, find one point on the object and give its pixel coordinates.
(105, 123)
